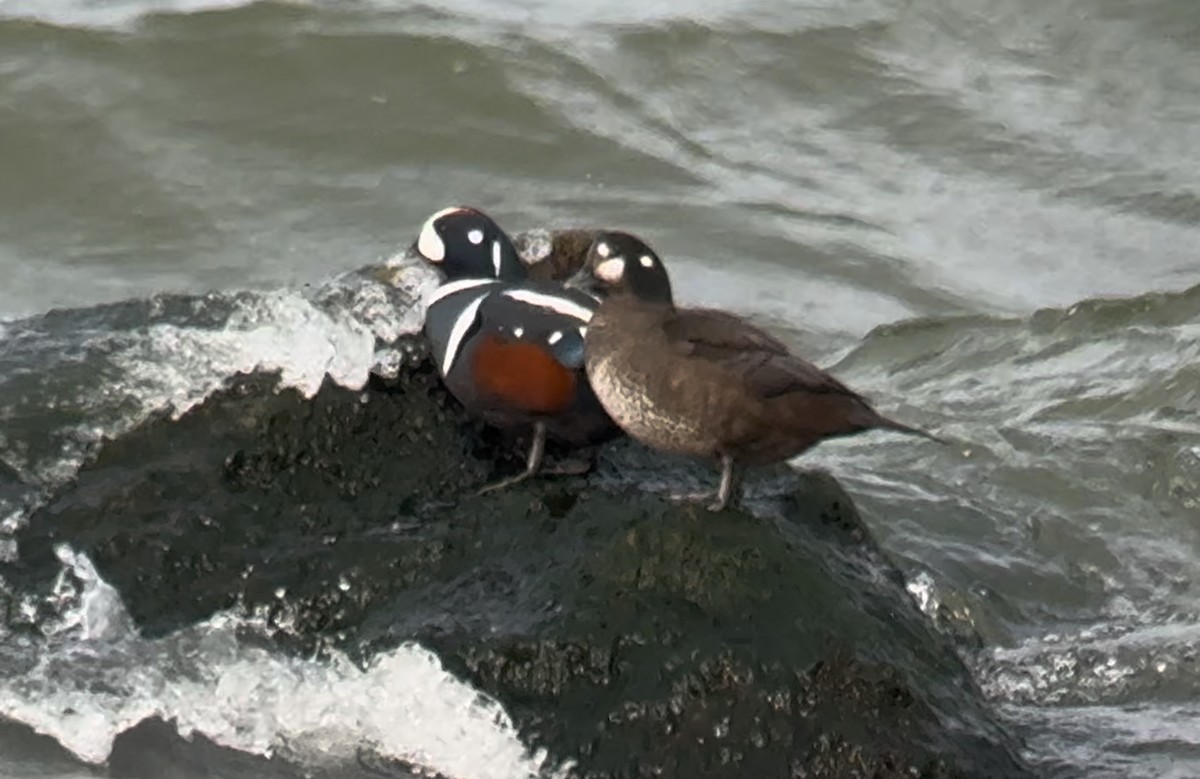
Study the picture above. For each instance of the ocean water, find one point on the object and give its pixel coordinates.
(984, 215)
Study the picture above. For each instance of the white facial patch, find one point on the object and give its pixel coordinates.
(496, 256)
(429, 243)
(459, 332)
(647, 261)
(475, 236)
(611, 271)
(603, 250)
(449, 288)
(555, 337)
(559, 305)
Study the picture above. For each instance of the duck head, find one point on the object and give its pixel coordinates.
(465, 243)
(620, 265)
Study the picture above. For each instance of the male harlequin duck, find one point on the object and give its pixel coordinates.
(704, 382)
(509, 349)
(537, 255)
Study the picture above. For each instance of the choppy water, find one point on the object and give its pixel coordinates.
(1019, 178)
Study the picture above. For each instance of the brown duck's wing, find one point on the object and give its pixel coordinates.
(826, 406)
(761, 360)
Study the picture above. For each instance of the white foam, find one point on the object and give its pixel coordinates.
(107, 14)
(924, 591)
(532, 15)
(174, 365)
(98, 613)
(390, 300)
(1109, 662)
(1143, 741)
(97, 678)
(178, 367)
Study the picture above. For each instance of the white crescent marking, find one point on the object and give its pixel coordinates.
(458, 332)
(450, 287)
(429, 243)
(611, 271)
(552, 302)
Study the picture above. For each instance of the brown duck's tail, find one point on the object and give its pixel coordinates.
(888, 424)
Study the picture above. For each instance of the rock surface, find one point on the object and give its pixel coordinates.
(633, 635)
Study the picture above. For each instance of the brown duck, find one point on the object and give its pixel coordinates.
(703, 382)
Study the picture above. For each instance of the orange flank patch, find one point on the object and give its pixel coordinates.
(522, 374)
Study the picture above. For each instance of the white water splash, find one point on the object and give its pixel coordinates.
(925, 592)
(118, 13)
(342, 330)
(177, 367)
(96, 678)
(1108, 663)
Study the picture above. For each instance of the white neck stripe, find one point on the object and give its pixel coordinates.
(451, 287)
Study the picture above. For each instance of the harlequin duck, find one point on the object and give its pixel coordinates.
(509, 349)
(447, 241)
(704, 382)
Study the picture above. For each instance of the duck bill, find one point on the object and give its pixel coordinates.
(584, 281)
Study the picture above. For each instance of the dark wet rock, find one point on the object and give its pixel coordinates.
(633, 635)
(12, 488)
